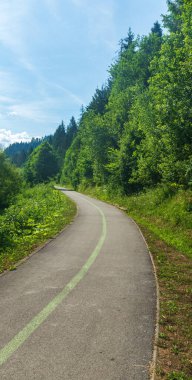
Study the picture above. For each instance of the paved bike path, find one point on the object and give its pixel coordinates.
(84, 306)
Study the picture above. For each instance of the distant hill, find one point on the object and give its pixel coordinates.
(19, 151)
(61, 140)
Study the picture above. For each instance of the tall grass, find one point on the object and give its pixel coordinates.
(166, 211)
(37, 215)
(165, 217)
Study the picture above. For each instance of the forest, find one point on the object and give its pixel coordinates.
(132, 146)
(136, 131)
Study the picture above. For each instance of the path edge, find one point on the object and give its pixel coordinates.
(153, 363)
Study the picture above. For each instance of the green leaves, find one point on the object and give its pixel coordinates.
(137, 131)
(10, 181)
(38, 214)
(42, 164)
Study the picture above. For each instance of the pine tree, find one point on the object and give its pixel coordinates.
(71, 132)
(59, 140)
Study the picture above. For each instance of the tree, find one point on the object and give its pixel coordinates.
(127, 41)
(171, 91)
(19, 151)
(59, 140)
(138, 133)
(172, 20)
(71, 131)
(70, 172)
(42, 164)
(10, 181)
(157, 29)
(99, 100)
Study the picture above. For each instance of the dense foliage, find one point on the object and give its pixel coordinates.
(36, 215)
(10, 181)
(136, 131)
(42, 165)
(164, 210)
(62, 139)
(19, 151)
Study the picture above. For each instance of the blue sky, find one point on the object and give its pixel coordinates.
(55, 53)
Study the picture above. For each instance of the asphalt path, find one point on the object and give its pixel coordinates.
(84, 306)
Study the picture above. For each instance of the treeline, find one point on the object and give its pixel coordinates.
(31, 163)
(137, 130)
(31, 210)
(18, 152)
(46, 161)
(60, 141)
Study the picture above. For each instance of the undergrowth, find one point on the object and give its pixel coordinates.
(165, 217)
(37, 215)
(167, 212)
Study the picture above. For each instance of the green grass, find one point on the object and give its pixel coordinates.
(165, 212)
(165, 218)
(37, 215)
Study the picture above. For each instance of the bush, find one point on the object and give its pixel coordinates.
(37, 215)
(42, 164)
(10, 181)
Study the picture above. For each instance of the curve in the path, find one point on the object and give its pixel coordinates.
(66, 315)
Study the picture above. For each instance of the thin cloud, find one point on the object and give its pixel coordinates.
(76, 99)
(43, 110)
(35, 111)
(101, 21)
(28, 65)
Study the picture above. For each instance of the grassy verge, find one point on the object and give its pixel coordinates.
(37, 215)
(165, 217)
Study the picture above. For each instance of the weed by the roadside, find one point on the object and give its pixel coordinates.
(37, 215)
(165, 211)
(166, 220)
(177, 376)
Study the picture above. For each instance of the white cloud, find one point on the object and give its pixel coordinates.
(7, 137)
